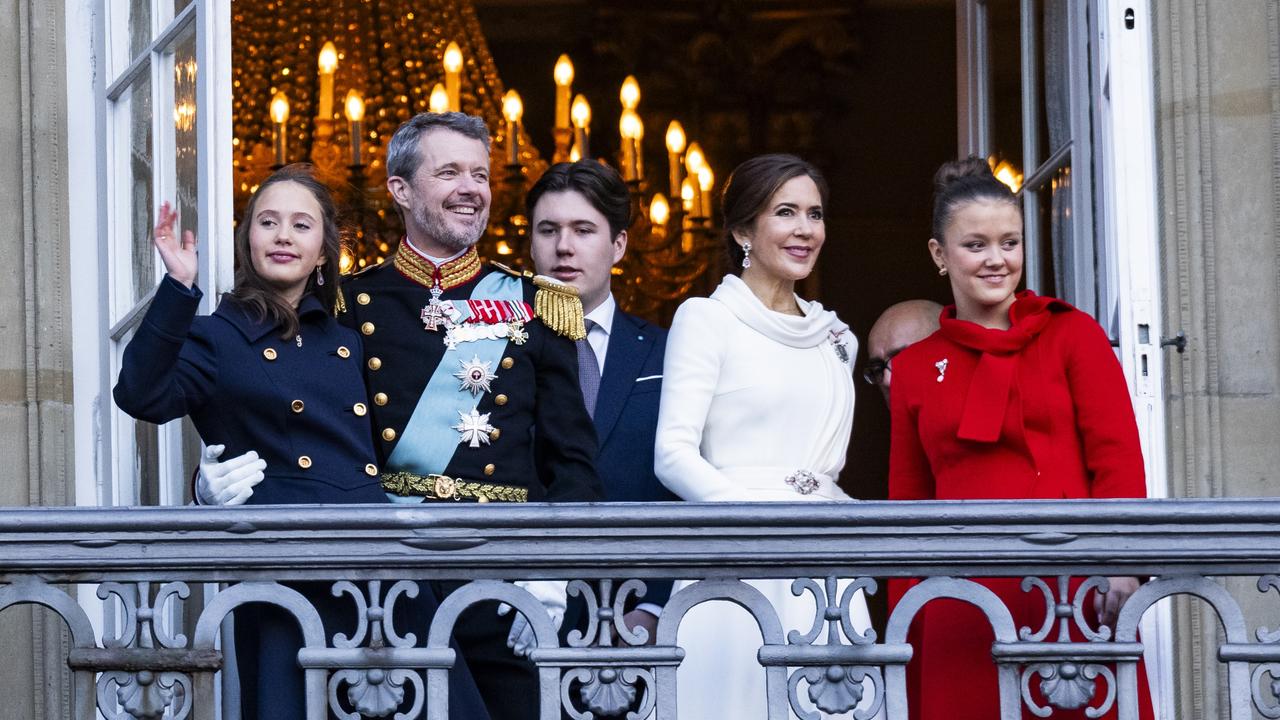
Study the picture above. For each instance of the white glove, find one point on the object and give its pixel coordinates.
(230, 482)
(553, 594)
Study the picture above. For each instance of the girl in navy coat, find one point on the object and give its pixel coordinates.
(270, 370)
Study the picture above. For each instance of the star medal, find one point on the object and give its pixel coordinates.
(942, 368)
(433, 315)
(475, 376)
(842, 350)
(474, 427)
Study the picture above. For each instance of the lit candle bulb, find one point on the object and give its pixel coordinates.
(630, 128)
(280, 117)
(675, 148)
(706, 182)
(328, 65)
(355, 116)
(564, 79)
(686, 195)
(630, 93)
(659, 211)
(453, 75)
(512, 110)
(580, 113)
(693, 162)
(439, 101)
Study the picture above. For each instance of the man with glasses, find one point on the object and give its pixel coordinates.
(900, 325)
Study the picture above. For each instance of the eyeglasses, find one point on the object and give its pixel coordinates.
(874, 372)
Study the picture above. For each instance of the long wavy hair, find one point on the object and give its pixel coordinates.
(255, 292)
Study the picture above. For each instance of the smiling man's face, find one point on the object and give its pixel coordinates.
(446, 202)
(572, 243)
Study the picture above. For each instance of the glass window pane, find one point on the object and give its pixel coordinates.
(135, 192)
(184, 131)
(180, 5)
(1057, 74)
(139, 26)
(1053, 236)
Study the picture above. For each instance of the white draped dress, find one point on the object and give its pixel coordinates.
(749, 397)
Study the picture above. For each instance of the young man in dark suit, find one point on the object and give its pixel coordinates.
(579, 213)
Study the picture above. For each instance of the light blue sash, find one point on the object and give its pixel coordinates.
(429, 441)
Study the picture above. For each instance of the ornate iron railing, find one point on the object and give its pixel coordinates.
(146, 560)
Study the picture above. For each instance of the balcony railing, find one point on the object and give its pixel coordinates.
(147, 560)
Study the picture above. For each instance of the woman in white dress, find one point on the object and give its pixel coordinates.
(757, 405)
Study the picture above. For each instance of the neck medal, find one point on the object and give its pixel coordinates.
(433, 314)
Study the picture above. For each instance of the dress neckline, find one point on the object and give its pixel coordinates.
(816, 326)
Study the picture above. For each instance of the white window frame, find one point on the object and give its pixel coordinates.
(1126, 138)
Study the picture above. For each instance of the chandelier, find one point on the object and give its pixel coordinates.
(329, 83)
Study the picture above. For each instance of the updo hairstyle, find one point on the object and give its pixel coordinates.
(747, 192)
(960, 182)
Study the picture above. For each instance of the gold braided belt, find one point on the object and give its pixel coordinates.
(443, 487)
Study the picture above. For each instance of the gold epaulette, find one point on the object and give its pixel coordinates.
(510, 270)
(558, 306)
(339, 303)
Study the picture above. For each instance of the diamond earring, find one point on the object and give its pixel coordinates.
(319, 276)
(746, 255)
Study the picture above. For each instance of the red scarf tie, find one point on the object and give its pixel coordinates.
(987, 397)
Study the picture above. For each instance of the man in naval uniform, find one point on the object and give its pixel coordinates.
(472, 373)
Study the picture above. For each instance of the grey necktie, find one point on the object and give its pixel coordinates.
(588, 371)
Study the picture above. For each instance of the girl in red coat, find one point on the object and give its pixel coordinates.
(1016, 396)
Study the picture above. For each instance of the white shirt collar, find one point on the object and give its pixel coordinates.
(602, 315)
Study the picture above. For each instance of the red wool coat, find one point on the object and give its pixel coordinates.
(1038, 411)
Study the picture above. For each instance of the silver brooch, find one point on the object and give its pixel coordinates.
(942, 368)
(842, 350)
(475, 376)
(803, 481)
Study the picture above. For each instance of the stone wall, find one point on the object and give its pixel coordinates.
(1218, 135)
(35, 357)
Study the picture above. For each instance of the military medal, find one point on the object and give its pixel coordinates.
(433, 314)
(942, 368)
(475, 376)
(474, 427)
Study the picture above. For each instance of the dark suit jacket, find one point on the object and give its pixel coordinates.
(626, 414)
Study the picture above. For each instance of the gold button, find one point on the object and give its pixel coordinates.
(500, 399)
(371, 470)
(482, 498)
(507, 363)
(304, 462)
(389, 434)
(494, 434)
(359, 409)
(380, 399)
(296, 405)
(269, 353)
(367, 328)
(363, 298)
(343, 352)
(488, 469)
(375, 363)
